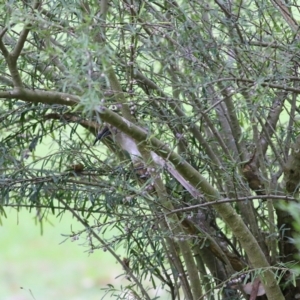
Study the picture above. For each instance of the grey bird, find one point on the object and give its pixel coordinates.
(130, 146)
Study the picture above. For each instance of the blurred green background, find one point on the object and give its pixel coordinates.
(39, 266)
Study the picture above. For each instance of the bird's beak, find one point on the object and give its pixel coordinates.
(102, 134)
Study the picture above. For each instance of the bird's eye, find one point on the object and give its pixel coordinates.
(113, 107)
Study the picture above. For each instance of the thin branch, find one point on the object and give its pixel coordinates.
(235, 126)
(270, 85)
(20, 43)
(289, 129)
(271, 122)
(231, 200)
(268, 142)
(91, 126)
(265, 83)
(3, 49)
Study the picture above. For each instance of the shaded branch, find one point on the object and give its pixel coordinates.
(91, 126)
(39, 96)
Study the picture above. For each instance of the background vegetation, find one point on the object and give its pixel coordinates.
(35, 266)
(199, 176)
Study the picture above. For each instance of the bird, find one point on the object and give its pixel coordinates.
(129, 145)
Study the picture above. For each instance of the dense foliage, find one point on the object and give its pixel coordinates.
(200, 164)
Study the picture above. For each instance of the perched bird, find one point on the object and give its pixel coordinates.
(129, 145)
